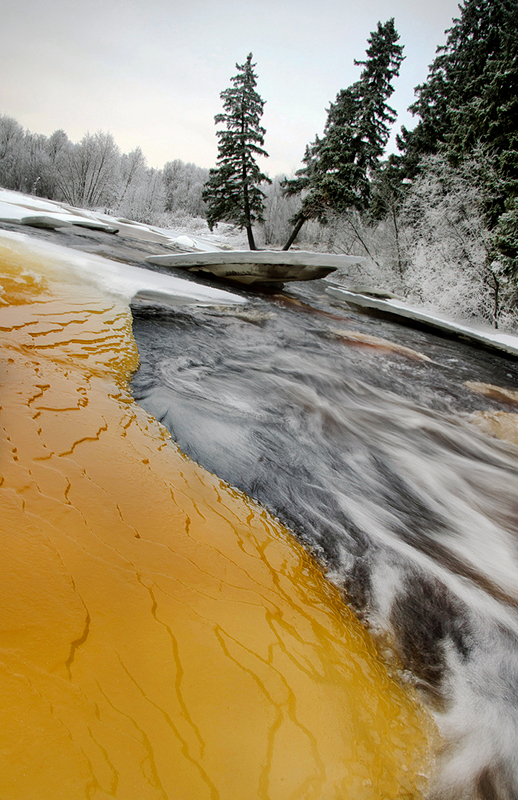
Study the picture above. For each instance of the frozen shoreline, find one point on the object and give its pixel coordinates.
(137, 243)
(504, 342)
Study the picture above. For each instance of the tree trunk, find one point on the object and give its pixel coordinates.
(496, 300)
(246, 203)
(398, 250)
(250, 234)
(295, 232)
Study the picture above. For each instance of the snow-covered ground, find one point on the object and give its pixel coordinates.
(33, 211)
(36, 212)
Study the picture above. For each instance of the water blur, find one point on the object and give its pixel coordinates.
(162, 636)
(361, 435)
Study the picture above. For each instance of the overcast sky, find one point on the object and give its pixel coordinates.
(151, 72)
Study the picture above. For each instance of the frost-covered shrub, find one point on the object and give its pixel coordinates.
(378, 242)
(278, 210)
(144, 199)
(451, 264)
(184, 187)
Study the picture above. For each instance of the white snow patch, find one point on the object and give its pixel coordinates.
(10, 212)
(122, 280)
(507, 342)
(28, 201)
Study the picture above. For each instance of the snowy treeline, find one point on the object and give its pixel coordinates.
(431, 245)
(95, 174)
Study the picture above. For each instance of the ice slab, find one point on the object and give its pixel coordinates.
(258, 266)
(49, 221)
(66, 220)
(504, 342)
(277, 257)
(130, 283)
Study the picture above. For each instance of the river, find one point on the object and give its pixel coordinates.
(369, 440)
(162, 635)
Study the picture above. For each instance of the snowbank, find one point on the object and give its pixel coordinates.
(505, 342)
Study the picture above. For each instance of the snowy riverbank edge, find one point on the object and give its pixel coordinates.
(503, 342)
(22, 209)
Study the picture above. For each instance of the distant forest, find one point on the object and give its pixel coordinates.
(438, 223)
(95, 174)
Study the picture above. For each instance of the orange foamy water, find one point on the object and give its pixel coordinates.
(161, 636)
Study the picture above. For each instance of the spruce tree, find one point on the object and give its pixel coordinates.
(469, 105)
(339, 166)
(232, 192)
(470, 83)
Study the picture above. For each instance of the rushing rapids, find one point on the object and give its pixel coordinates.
(163, 636)
(367, 438)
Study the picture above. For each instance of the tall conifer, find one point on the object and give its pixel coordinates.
(232, 192)
(471, 83)
(469, 105)
(338, 167)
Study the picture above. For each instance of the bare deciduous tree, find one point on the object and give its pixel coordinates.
(90, 171)
(184, 188)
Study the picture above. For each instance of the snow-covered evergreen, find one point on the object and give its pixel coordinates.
(232, 192)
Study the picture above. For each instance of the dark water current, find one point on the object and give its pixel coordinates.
(369, 457)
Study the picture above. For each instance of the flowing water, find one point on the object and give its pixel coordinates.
(162, 636)
(368, 439)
